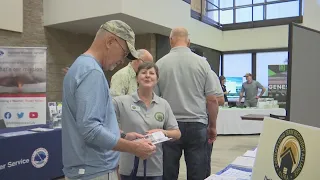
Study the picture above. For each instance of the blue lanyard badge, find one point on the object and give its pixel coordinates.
(135, 168)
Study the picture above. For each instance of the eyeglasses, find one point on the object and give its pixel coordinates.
(142, 60)
(124, 51)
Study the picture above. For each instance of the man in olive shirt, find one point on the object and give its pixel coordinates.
(250, 89)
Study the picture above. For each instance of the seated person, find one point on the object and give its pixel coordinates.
(144, 112)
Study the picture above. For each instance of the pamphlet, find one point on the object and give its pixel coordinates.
(157, 137)
(244, 161)
(220, 177)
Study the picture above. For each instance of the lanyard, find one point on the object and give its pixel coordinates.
(135, 168)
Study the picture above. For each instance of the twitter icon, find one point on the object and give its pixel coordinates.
(20, 115)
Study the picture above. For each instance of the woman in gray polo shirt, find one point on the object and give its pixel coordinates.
(144, 112)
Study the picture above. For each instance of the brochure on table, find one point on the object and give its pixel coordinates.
(287, 151)
(55, 112)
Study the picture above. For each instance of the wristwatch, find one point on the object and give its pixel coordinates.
(123, 135)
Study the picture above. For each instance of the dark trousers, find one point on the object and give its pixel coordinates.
(209, 151)
(193, 142)
(141, 178)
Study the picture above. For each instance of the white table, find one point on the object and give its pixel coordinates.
(229, 120)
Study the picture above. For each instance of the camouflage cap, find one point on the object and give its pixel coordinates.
(123, 31)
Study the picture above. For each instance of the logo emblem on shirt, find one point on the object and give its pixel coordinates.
(135, 108)
(159, 116)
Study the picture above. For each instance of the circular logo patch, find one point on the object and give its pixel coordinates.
(159, 116)
(289, 154)
(39, 157)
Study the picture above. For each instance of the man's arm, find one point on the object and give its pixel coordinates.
(91, 96)
(263, 89)
(212, 105)
(119, 85)
(241, 94)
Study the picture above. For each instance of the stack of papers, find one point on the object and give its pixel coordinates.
(250, 154)
(219, 177)
(41, 129)
(18, 133)
(238, 174)
(244, 161)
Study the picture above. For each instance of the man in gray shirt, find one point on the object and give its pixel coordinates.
(250, 89)
(187, 83)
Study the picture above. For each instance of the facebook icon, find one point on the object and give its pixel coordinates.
(7, 115)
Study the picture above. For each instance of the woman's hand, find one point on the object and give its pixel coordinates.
(133, 135)
(157, 130)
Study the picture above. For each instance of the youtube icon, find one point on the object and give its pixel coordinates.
(33, 115)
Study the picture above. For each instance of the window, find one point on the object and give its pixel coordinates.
(212, 10)
(257, 13)
(258, 1)
(226, 17)
(283, 10)
(244, 15)
(226, 3)
(266, 59)
(237, 65)
(243, 2)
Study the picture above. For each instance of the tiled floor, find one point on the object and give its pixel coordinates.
(225, 150)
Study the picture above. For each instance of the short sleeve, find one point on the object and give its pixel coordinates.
(259, 85)
(116, 104)
(170, 120)
(242, 88)
(218, 89)
(118, 85)
(210, 85)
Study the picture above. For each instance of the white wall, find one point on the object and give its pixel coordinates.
(60, 11)
(311, 17)
(11, 15)
(174, 13)
(256, 38)
(171, 14)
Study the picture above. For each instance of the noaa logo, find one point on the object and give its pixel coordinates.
(39, 157)
(159, 116)
(289, 154)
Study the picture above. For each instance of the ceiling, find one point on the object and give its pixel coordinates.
(91, 25)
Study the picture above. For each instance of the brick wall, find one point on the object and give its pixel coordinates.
(62, 47)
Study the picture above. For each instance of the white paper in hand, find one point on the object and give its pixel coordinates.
(157, 137)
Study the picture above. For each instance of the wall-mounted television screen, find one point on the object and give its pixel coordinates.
(233, 86)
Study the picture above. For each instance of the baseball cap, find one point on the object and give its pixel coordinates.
(123, 31)
(247, 74)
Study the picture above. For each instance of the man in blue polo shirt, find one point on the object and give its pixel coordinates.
(90, 132)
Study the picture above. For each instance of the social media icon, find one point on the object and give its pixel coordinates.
(33, 115)
(20, 115)
(7, 115)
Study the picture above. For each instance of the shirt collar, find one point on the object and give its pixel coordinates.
(136, 98)
(131, 70)
(180, 49)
